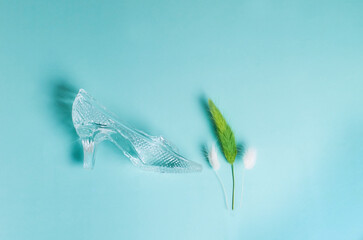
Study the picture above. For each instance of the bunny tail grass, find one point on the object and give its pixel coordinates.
(249, 161)
(243, 179)
(224, 190)
(213, 158)
(214, 162)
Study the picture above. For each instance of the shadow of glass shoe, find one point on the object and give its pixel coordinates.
(60, 97)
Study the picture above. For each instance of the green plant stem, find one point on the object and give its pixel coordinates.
(232, 187)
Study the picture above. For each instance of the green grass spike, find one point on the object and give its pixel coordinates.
(224, 133)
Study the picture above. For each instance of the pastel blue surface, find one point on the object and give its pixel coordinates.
(287, 75)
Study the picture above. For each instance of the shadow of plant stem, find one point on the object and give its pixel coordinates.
(62, 96)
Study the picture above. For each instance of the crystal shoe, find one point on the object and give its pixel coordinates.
(95, 124)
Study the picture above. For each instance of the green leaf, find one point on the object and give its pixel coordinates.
(224, 133)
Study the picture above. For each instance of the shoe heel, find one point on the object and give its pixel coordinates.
(88, 153)
(87, 136)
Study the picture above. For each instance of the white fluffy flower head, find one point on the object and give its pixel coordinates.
(213, 158)
(249, 158)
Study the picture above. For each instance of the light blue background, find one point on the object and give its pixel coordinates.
(288, 76)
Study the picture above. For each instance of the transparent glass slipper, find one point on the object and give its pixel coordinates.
(95, 124)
